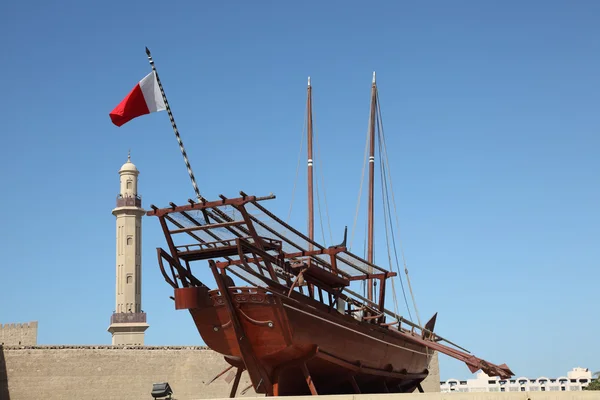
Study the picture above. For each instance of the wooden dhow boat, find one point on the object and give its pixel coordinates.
(283, 308)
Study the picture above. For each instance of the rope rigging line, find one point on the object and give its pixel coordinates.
(319, 208)
(385, 155)
(387, 215)
(297, 167)
(320, 174)
(362, 179)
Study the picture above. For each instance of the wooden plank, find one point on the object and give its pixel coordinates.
(208, 226)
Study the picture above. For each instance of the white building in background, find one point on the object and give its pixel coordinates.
(576, 379)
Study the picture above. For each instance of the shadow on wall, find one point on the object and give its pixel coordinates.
(4, 395)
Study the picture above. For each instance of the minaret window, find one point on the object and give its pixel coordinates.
(129, 279)
(129, 241)
(129, 184)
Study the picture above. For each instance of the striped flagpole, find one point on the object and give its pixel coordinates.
(183, 153)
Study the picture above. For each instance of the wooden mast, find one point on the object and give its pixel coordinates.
(311, 217)
(371, 185)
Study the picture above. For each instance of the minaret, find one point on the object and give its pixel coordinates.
(128, 322)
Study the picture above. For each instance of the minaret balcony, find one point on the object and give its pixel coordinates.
(124, 318)
(129, 201)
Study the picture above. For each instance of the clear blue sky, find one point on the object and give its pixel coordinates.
(491, 109)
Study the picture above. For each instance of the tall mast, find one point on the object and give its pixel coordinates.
(371, 184)
(311, 217)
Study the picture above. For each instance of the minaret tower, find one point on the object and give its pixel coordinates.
(128, 322)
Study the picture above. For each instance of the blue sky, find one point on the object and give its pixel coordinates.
(491, 113)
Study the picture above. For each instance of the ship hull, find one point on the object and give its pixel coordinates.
(303, 349)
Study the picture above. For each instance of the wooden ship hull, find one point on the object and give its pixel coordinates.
(295, 343)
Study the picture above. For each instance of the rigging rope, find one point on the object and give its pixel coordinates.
(362, 179)
(297, 167)
(320, 174)
(319, 208)
(385, 155)
(387, 215)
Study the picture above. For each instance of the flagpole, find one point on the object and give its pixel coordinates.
(183, 153)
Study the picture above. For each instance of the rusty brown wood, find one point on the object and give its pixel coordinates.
(258, 241)
(371, 212)
(280, 290)
(367, 370)
(181, 272)
(372, 276)
(309, 133)
(292, 255)
(165, 228)
(381, 296)
(304, 237)
(236, 382)
(218, 215)
(196, 223)
(309, 380)
(209, 204)
(205, 227)
(368, 318)
(257, 373)
(275, 383)
(177, 224)
(168, 279)
(243, 244)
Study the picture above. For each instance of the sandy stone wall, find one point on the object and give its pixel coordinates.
(19, 334)
(106, 372)
(431, 384)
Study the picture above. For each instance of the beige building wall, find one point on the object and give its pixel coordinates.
(19, 334)
(107, 372)
(110, 372)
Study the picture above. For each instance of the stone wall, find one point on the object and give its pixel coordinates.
(121, 372)
(431, 384)
(107, 372)
(19, 334)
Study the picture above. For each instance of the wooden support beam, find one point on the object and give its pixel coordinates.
(209, 204)
(309, 380)
(236, 382)
(257, 373)
(205, 227)
(276, 383)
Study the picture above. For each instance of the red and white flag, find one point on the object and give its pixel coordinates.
(145, 98)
